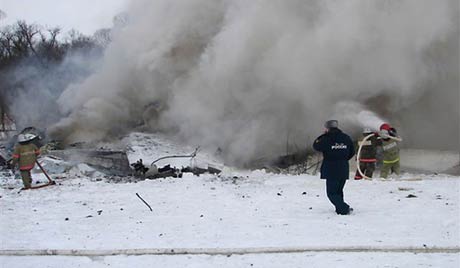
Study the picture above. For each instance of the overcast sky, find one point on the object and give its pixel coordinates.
(85, 16)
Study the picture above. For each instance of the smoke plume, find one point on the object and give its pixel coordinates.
(244, 76)
(36, 86)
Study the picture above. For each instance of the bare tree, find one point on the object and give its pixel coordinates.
(26, 35)
(78, 41)
(31, 60)
(103, 37)
(6, 45)
(49, 46)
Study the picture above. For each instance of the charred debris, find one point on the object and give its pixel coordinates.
(115, 163)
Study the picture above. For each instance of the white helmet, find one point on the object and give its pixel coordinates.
(367, 130)
(26, 137)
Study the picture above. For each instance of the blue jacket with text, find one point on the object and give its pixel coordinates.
(337, 148)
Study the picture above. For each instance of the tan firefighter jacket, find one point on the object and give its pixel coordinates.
(25, 155)
(390, 151)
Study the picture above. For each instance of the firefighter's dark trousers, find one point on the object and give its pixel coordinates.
(26, 178)
(334, 190)
(367, 168)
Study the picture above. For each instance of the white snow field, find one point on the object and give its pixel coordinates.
(238, 219)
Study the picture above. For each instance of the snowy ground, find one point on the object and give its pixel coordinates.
(236, 211)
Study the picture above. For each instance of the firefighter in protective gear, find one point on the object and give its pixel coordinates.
(25, 154)
(390, 155)
(367, 158)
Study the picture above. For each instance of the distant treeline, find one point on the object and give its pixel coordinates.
(31, 53)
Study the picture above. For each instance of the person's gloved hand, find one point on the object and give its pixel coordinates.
(384, 134)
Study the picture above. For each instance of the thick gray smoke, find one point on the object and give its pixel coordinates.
(245, 76)
(2, 15)
(34, 101)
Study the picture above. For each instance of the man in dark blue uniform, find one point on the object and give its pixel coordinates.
(337, 148)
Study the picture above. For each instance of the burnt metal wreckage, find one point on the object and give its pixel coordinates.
(108, 162)
(116, 163)
(154, 172)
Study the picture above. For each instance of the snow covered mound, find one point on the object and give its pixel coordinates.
(431, 161)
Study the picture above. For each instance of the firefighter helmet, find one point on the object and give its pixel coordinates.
(26, 137)
(385, 126)
(367, 130)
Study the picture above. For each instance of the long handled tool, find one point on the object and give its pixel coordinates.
(50, 181)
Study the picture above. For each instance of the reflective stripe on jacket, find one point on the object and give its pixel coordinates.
(371, 160)
(391, 161)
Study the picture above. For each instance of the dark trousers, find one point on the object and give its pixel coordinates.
(367, 168)
(334, 190)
